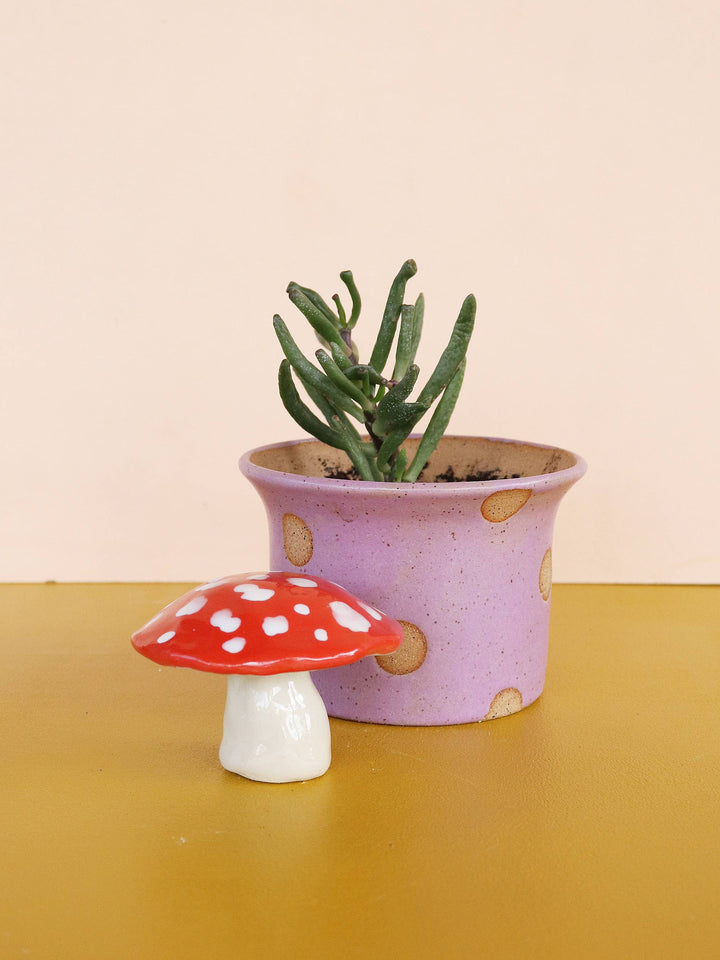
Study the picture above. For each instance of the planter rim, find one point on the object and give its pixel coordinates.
(563, 477)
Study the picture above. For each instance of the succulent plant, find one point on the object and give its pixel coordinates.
(344, 389)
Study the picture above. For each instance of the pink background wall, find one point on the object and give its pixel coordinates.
(167, 168)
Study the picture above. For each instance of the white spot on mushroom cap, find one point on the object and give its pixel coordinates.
(234, 645)
(275, 625)
(349, 618)
(321, 634)
(225, 621)
(302, 608)
(257, 576)
(251, 591)
(375, 614)
(192, 606)
(302, 582)
(168, 635)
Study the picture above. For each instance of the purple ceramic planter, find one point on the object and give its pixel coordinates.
(465, 565)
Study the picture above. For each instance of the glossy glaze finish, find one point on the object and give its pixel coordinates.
(275, 729)
(467, 564)
(266, 630)
(264, 624)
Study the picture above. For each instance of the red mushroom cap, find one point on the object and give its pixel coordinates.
(266, 623)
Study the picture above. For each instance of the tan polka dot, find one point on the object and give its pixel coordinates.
(298, 540)
(503, 504)
(546, 575)
(409, 655)
(504, 703)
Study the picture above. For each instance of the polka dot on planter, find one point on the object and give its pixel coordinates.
(545, 579)
(504, 703)
(409, 656)
(297, 540)
(503, 504)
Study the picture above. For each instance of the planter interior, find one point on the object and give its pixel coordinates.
(466, 456)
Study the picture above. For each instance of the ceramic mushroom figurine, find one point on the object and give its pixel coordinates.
(266, 631)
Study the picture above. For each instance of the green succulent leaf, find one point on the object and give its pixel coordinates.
(336, 375)
(343, 389)
(310, 376)
(341, 310)
(395, 437)
(404, 344)
(355, 449)
(386, 334)
(439, 421)
(301, 413)
(347, 278)
(317, 301)
(418, 317)
(340, 358)
(400, 465)
(361, 370)
(324, 327)
(453, 354)
(392, 409)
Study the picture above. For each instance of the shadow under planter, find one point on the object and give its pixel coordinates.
(465, 564)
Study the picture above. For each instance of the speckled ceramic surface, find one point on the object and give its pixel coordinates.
(466, 566)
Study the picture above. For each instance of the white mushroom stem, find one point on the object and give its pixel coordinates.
(275, 729)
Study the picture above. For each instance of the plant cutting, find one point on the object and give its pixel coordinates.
(450, 535)
(344, 388)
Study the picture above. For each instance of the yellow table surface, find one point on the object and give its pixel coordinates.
(587, 825)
